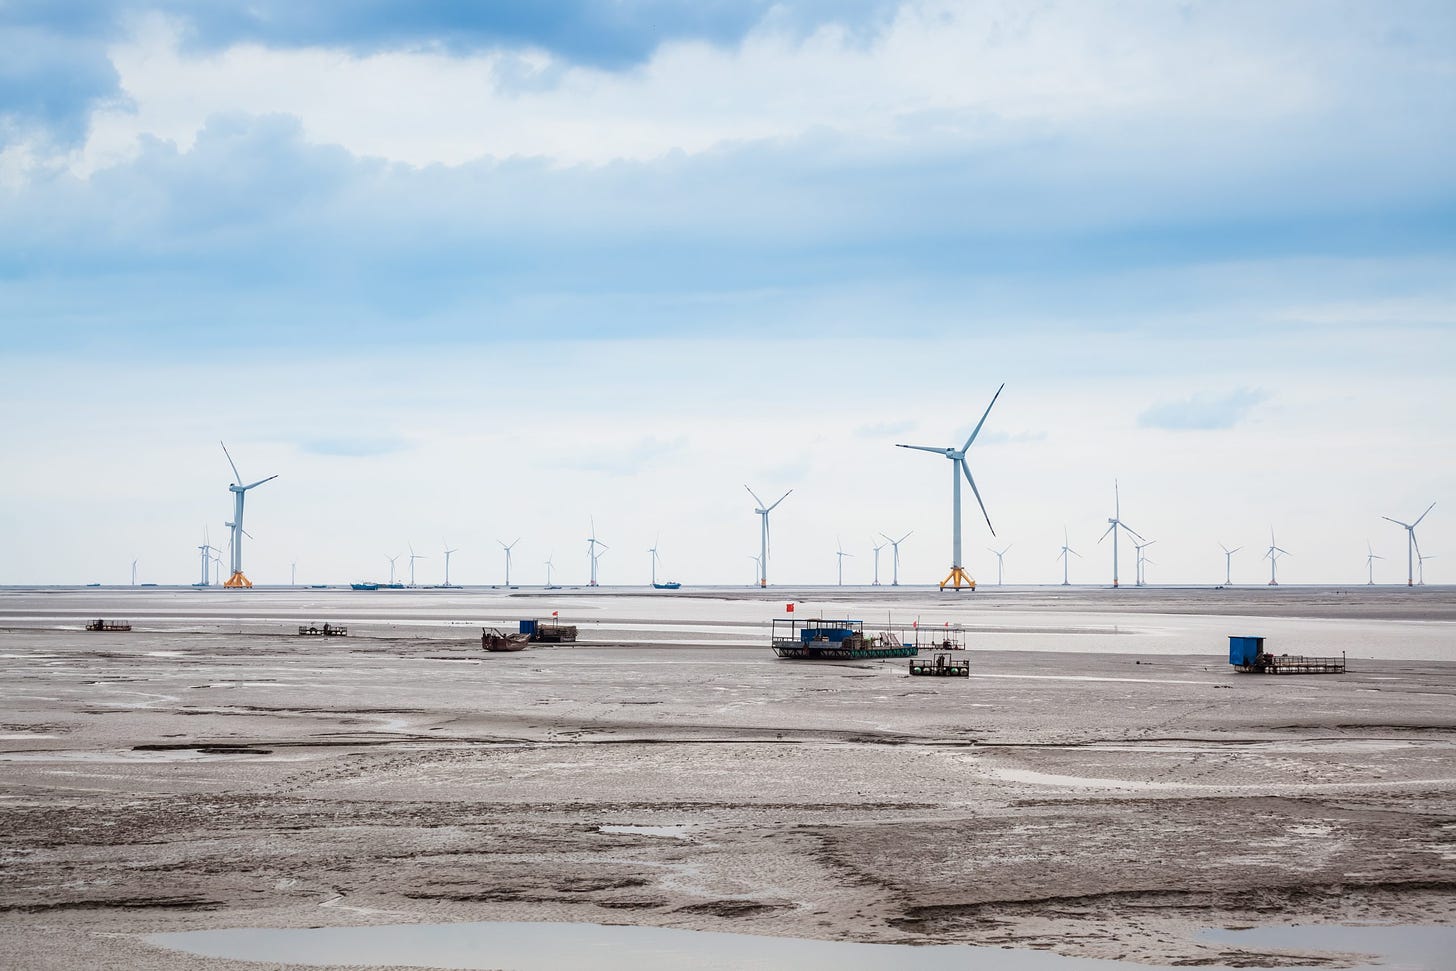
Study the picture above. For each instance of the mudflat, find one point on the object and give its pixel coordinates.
(1109, 791)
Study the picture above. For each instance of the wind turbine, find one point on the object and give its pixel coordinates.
(653, 550)
(448, 551)
(217, 564)
(1411, 546)
(391, 560)
(235, 540)
(508, 560)
(205, 549)
(1065, 558)
(1273, 556)
(548, 569)
(1370, 559)
(1421, 559)
(591, 551)
(412, 557)
(877, 560)
(133, 572)
(293, 574)
(1228, 563)
(1113, 525)
(841, 555)
(1141, 559)
(895, 557)
(999, 555)
(958, 466)
(763, 512)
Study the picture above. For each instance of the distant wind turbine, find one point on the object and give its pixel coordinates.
(877, 560)
(895, 557)
(1141, 559)
(1421, 559)
(293, 574)
(1116, 523)
(763, 536)
(1273, 554)
(235, 541)
(1066, 558)
(1228, 563)
(841, 555)
(448, 551)
(391, 560)
(653, 550)
(1411, 547)
(508, 559)
(1000, 555)
(548, 568)
(958, 467)
(206, 549)
(412, 557)
(1370, 559)
(591, 551)
(133, 572)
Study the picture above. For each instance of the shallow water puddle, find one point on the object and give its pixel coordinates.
(675, 830)
(529, 946)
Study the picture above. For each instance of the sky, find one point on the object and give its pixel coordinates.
(458, 273)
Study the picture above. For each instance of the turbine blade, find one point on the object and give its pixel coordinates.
(1106, 534)
(923, 448)
(1423, 515)
(781, 499)
(259, 482)
(236, 478)
(1075, 553)
(755, 497)
(1397, 522)
(966, 469)
(977, 429)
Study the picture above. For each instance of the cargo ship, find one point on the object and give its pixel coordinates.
(835, 640)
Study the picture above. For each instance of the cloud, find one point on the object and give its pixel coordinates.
(355, 446)
(884, 430)
(1203, 411)
(631, 459)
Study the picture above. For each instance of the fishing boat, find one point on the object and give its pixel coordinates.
(494, 639)
(366, 585)
(667, 585)
(820, 639)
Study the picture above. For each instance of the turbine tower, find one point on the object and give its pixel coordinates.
(1421, 559)
(548, 568)
(763, 543)
(1228, 563)
(1273, 555)
(412, 557)
(1370, 562)
(877, 560)
(1000, 554)
(1114, 524)
(293, 574)
(1065, 558)
(757, 565)
(206, 549)
(235, 539)
(841, 555)
(591, 551)
(508, 560)
(391, 560)
(448, 551)
(133, 572)
(895, 556)
(653, 550)
(1411, 546)
(957, 456)
(1141, 559)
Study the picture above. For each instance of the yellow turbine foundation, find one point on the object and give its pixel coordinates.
(957, 579)
(238, 580)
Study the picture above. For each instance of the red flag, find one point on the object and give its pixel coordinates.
(553, 613)
(789, 608)
(915, 624)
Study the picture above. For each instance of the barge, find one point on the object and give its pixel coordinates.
(1247, 655)
(496, 640)
(327, 630)
(821, 639)
(108, 625)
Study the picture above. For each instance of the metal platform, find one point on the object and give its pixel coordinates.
(1292, 664)
(942, 666)
(325, 631)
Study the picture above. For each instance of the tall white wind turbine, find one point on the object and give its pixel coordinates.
(1411, 547)
(448, 551)
(1421, 559)
(895, 556)
(206, 549)
(591, 551)
(1141, 559)
(133, 572)
(958, 576)
(763, 537)
(412, 557)
(508, 559)
(1000, 556)
(1273, 554)
(840, 557)
(757, 566)
(1228, 563)
(392, 560)
(235, 539)
(877, 559)
(1066, 557)
(1370, 559)
(548, 568)
(1114, 524)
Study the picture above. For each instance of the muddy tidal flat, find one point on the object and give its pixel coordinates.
(1103, 786)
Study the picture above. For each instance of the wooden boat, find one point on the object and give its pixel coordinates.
(494, 639)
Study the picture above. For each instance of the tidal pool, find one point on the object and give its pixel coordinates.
(532, 946)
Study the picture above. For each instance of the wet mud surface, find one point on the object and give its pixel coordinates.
(1102, 805)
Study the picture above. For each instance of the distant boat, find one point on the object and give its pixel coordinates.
(494, 639)
(93, 584)
(667, 585)
(363, 586)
